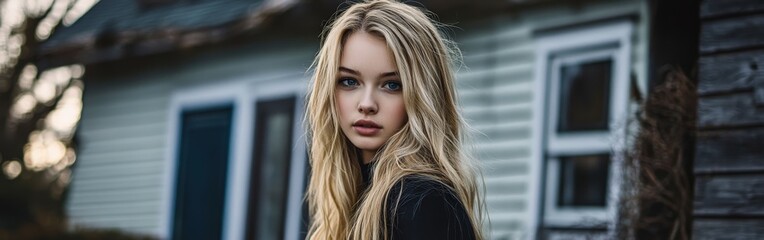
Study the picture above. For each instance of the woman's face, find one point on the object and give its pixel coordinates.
(369, 93)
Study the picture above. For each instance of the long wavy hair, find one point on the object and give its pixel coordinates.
(429, 144)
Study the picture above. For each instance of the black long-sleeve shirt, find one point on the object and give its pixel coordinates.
(426, 209)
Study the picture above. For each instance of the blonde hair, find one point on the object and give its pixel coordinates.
(428, 145)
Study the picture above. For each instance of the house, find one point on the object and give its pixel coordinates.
(191, 124)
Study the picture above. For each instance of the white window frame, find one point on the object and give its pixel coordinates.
(608, 40)
(242, 93)
(278, 89)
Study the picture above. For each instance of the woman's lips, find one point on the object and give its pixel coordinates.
(366, 127)
(366, 131)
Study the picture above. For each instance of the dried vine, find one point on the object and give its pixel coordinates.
(659, 203)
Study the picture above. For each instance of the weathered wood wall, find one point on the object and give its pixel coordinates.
(729, 156)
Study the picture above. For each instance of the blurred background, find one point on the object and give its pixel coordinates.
(182, 119)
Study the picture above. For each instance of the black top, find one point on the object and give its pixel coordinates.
(427, 210)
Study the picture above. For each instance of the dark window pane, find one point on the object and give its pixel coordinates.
(583, 181)
(269, 182)
(202, 167)
(584, 96)
(150, 4)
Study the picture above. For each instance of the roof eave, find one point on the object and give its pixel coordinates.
(90, 48)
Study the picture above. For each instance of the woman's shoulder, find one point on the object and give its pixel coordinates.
(418, 187)
(424, 208)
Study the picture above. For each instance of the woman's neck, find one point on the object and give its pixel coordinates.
(367, 156)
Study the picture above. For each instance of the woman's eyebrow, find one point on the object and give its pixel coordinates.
(388, 74)
(351, 71)
(354, 72)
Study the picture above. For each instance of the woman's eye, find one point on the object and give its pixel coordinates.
(393, 86)
(348, 82)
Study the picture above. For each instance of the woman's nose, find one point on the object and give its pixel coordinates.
(367, 104)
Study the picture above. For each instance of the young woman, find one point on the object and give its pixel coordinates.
(385, 134)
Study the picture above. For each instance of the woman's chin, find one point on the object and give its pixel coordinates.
(366, 144)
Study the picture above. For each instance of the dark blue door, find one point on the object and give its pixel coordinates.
(201, 174)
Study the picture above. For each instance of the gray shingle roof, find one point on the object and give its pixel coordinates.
(127, 15)
(120, 29)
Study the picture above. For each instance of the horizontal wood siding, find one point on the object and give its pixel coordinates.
(732, 33)
(712, 229)
(495, 93)
(735, 150)
(496, 89)
(118, 180)
(729, 158)
(717, 8)
(732, 72)
(729, 195)
(730, 110)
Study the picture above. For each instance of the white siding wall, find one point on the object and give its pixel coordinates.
(118, 180)
(496, 91)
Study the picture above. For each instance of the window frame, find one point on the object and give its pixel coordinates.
(575, 141)
(582, 43)
(242, 94)
(274, 90)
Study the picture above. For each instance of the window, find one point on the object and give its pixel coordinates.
(238, 168)
(269, 180)
(201, 179)
(584, 71)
